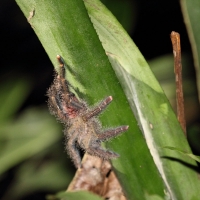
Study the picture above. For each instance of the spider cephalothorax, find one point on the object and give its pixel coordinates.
(82, 128)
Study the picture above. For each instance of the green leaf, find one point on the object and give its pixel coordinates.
(194, 157)
(83, 195)
(17, 90)
(34, 131)
(37, 175)
(64, 28)
(191, 14)
(149, 104)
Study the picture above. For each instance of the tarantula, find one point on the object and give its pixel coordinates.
(82, 128)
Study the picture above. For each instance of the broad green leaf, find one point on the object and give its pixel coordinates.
(149, 104)
(65, 28)
(194, 157)
(191, 14)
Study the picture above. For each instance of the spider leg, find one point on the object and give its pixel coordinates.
(62, 68)
(96, 150)
(75, 103)
(54, 103)
(98, 109)
(111, 133)
(64, 87)
(73, 151)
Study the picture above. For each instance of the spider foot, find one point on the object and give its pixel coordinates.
(102, 153)
(112, 133)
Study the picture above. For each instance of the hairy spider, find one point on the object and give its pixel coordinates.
(82, 127)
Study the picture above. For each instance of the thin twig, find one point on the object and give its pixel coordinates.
(175, 38)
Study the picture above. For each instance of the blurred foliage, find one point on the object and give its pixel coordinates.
(163, 69)
(191, 14)
(125, 11)
(74, 195)
(13, 89)
(30, 145)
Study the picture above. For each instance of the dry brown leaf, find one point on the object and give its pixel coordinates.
(96, 176)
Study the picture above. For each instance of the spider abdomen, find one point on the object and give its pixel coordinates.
(85, 132)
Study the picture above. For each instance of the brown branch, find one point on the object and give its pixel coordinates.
(175, 38)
